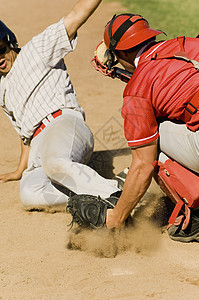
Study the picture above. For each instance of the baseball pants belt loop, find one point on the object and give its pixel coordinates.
(46, 121)
(191, 107)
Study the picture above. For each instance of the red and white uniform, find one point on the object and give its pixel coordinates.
(160, 88)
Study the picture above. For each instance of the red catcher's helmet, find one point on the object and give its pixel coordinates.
(126, 31)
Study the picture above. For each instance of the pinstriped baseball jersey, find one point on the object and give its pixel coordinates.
(38, 83)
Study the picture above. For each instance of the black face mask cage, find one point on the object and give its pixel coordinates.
(112, 61)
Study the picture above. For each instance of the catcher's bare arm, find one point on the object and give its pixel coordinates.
(16, 175)
(137, 181)
(82, 10)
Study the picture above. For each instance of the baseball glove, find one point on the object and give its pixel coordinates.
(104, 61)
(90, 211)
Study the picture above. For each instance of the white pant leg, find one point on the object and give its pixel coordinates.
(66, 148)
(58, 154)
(36, 190)
(180, 143)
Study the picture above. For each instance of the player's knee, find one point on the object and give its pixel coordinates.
(56, 167)
(32, 197)
(27, 196)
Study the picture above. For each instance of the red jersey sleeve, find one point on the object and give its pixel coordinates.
(140, 125)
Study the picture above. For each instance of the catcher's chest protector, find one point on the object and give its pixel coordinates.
(181, 186)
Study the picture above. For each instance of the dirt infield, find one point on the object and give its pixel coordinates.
(39, 257)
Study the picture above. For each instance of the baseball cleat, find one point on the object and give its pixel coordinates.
(190, 234)
(121, 177)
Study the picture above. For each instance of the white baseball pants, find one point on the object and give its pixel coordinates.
(179, 143)
(58, 154)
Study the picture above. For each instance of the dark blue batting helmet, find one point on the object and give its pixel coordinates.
(6, 33)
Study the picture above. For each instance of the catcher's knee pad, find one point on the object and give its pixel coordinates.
(181, 186)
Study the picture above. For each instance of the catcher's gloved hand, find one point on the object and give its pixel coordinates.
(104, 61)
(90, 211)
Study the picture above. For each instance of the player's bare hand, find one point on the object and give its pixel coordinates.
(112, 220)
(10, 176)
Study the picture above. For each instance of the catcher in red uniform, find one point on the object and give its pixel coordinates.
(160, 111)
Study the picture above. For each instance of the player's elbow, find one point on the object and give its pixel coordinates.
(72, 22)
(143, 169)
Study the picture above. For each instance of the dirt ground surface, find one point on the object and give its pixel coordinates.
(39, 257)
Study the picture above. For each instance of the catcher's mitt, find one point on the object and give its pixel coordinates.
(104, 61)
(90, 211)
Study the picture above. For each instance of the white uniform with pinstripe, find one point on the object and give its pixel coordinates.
(38, 85)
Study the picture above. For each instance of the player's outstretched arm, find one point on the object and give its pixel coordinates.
(138, 180)
(16, 175)
(82, 10)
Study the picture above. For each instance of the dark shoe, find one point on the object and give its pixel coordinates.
(121, 177)
(116, 194)
(190, 234)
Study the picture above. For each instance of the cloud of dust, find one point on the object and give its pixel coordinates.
(143, 238)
